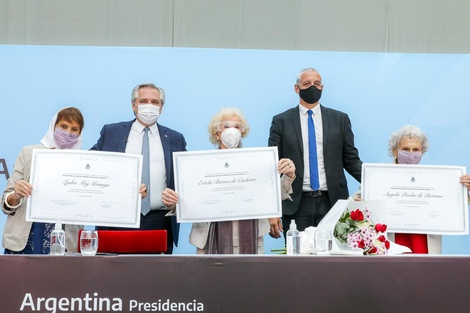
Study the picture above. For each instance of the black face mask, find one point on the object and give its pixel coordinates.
(310, 95)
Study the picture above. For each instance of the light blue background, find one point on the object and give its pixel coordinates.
(379, 91)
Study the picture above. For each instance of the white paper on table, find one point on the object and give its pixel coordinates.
(333, 216)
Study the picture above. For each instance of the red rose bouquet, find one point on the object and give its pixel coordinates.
(356, 229)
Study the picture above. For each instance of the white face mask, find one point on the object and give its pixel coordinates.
(230, 137)
(148, 113)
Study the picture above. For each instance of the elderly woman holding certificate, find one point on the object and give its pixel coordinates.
(20, 236)
(407, 145)
(226, 129)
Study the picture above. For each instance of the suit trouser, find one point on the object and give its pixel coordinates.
(312, 210)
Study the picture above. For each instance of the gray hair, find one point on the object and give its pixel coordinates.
(308, 69)
(410, 131)
(135, 91)
(220, 116)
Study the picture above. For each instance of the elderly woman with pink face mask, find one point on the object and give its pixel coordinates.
(20, 236)
(226, 131)
(407, 146)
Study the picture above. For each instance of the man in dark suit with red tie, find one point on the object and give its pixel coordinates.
(320, 142)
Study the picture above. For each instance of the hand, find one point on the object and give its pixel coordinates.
(465, 180)
(286, 166)
(23, 189)
(276, 227)
(169, 197)
(143, 191)
(356, 198)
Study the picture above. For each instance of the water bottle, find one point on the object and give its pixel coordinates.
(293, 239)
(57, 240)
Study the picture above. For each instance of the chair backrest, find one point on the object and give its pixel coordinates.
(131, 241)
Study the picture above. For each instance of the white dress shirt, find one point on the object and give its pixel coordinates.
(317, 120)
(157, 160)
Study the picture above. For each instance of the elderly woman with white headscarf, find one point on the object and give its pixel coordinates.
(20, 236)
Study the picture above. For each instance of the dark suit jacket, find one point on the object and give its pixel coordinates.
(113, 137)
(338, 149)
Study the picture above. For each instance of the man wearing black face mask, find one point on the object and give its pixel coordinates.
(320, 141)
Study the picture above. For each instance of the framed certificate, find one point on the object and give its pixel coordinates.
(421, 199)
(85, 188)
(227, 184)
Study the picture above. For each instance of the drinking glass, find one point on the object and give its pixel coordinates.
(89, 242)
(323, 241)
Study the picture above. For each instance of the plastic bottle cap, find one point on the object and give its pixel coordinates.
(293, 226)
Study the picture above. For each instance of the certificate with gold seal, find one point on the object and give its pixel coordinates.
(227, 184)
(85, 188)
(421, 199)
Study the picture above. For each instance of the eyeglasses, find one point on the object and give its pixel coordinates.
(230, 124)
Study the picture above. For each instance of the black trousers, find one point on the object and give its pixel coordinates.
(311, 211)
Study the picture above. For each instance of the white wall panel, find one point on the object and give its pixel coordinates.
(427, 26)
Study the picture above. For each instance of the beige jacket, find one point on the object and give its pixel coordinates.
(200, 231)
(16, 230)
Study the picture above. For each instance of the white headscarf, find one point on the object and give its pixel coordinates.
(48, 139)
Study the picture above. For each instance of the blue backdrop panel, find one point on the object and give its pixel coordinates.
(379, 91)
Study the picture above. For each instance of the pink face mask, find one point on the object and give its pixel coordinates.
(405, 157)
(64, 139)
